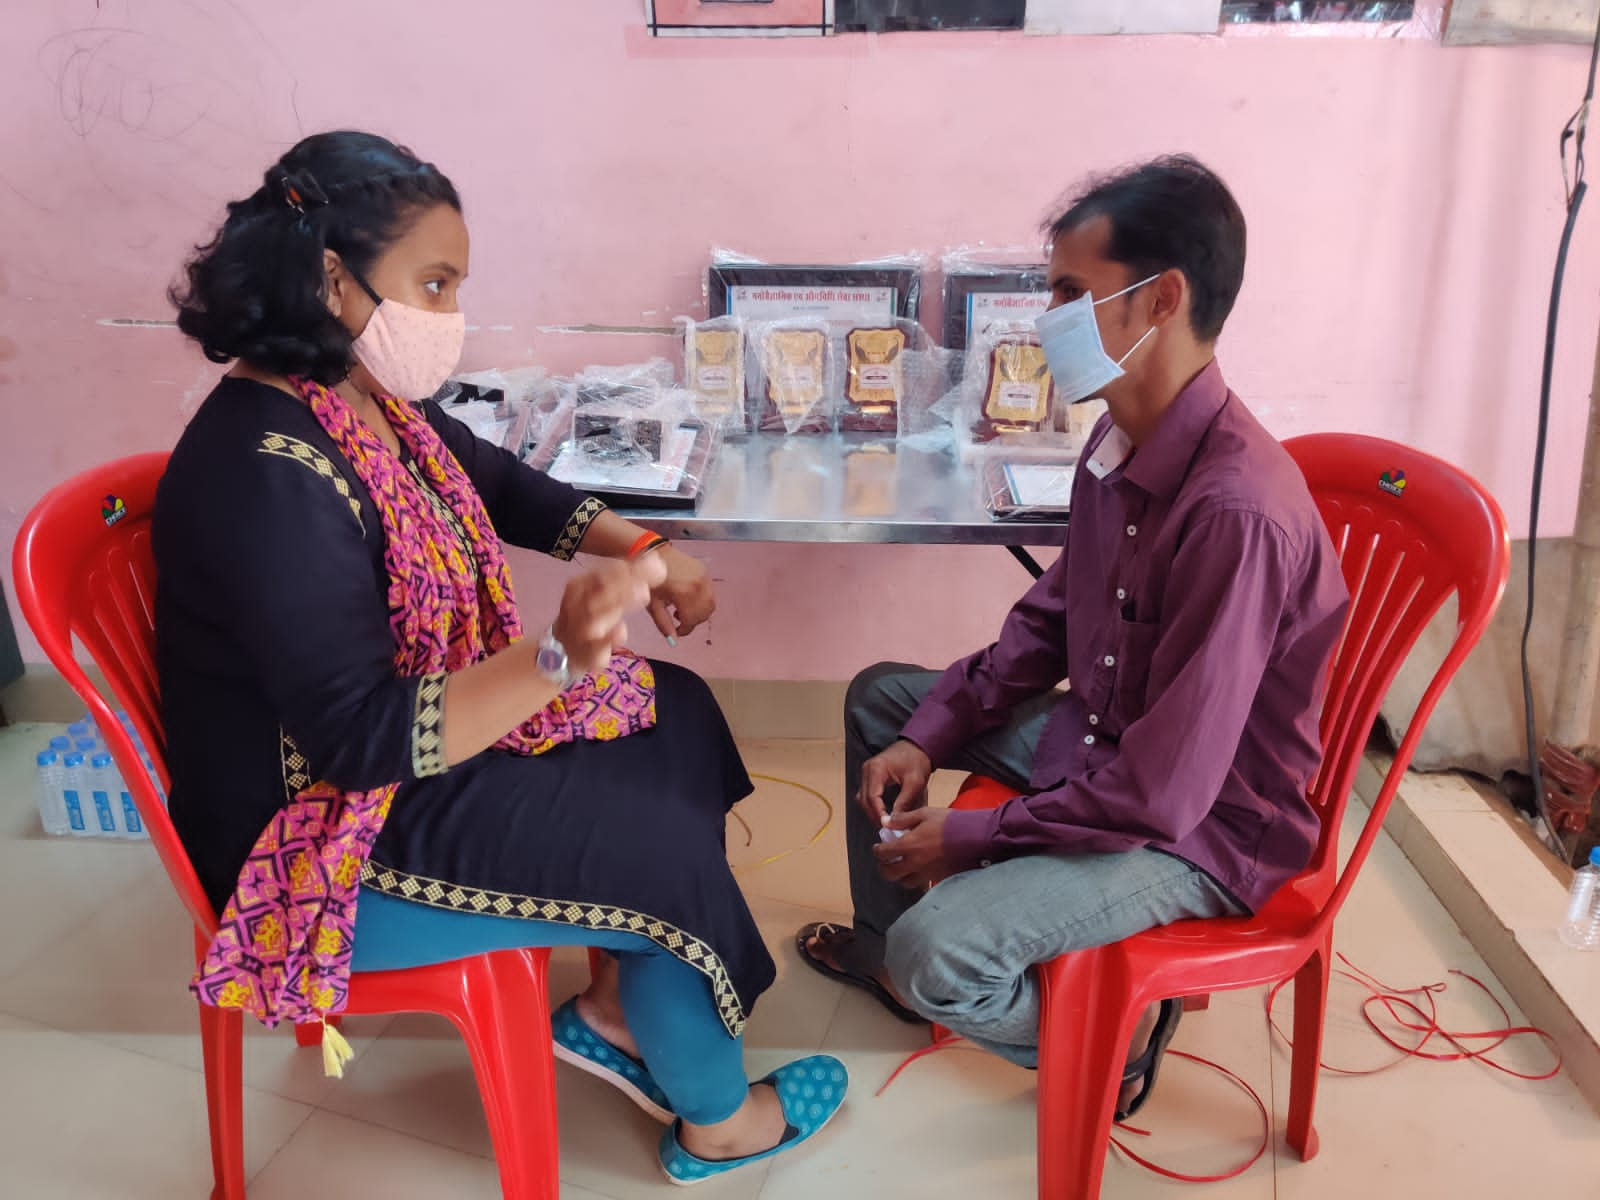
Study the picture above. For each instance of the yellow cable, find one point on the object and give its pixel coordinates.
(812, 841)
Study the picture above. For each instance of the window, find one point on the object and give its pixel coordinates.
(890, 16)
(1304, 11)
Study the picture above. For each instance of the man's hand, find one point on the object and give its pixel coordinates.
(684, 600)
(904, 767)
(915, 859)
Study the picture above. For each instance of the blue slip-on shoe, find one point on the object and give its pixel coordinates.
(811, 1090)
(578, 1044)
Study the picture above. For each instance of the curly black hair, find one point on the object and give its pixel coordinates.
(1170, 212)
(256, 291)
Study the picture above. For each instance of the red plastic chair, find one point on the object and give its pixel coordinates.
(1410, 530)
(84, 568)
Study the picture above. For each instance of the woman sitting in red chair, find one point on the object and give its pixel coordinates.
(372, 766)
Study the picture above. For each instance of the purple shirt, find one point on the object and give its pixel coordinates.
(1194, 608)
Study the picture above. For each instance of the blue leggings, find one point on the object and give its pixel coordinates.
(667, 1003)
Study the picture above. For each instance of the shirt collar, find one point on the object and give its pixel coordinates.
(1160, 464)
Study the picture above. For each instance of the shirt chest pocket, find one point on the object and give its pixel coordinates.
(1135, 648)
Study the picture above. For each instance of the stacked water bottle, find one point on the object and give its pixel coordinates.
(81, 793)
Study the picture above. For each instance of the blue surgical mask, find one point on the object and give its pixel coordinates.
(1070, 339)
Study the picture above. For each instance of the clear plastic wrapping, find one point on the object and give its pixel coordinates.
(714, 367)
(812, 376)
(1004, 409)
(889, 373)
(1075, 422)
(929, 406)
(633, 439)
(492, 403)
(982, 288)
(1005, 383)
(630, 384)
(1340, 18)
(545, 413)
(793, 372)
(1024, 485)
(874, 371)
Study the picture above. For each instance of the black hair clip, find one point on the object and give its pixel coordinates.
(301, 191)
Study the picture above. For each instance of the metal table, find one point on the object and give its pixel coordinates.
(844, 488)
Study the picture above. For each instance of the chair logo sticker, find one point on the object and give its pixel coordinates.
(113, 510)
(1393, 482)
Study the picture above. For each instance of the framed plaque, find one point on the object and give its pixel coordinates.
(875, 380)
(976, 299)
(1018, 395)
(795, 370)
(857, 295)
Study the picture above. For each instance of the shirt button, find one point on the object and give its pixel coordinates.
(1110, 661)
(986, 863)
(1122, 593)
(1133, 531)
(1088, 739)
(1094, 719)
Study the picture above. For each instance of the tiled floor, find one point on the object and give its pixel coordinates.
(103, 1097)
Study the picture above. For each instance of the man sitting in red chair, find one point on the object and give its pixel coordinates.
(1194, 608)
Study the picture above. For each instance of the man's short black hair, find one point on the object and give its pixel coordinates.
(1170, 212)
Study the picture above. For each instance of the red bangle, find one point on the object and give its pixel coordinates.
(646, 543)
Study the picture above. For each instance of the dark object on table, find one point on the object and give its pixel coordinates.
(1570, 784)
(617, 438)
(454, 392)
(10, 656)
(1318, 11)
(730, 283)
(684, 494)
(895, 16)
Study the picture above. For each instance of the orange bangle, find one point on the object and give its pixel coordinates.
(646, 543)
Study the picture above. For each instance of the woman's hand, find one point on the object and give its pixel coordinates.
(684, 599)
(594, 605)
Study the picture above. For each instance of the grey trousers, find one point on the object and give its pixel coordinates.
(959, 954)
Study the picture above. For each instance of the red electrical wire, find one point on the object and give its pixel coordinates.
(1395, 1001)
(1427, 1024)
(1167, 1172)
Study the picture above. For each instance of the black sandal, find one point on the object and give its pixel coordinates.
(837, 936)
(1149, 1063)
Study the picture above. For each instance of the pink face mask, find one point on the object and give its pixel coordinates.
(408, 350)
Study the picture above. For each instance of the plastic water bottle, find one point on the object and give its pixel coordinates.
(1581, 928)
(129, 824)
(104, 783)
(155, 779)
(75, 794)
(52, 806)
(61, 745)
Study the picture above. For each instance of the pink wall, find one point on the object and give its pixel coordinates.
(1404, 204)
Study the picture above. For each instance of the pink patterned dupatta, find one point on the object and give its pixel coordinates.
(283, 946)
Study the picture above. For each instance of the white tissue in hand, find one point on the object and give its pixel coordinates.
(890, 835)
